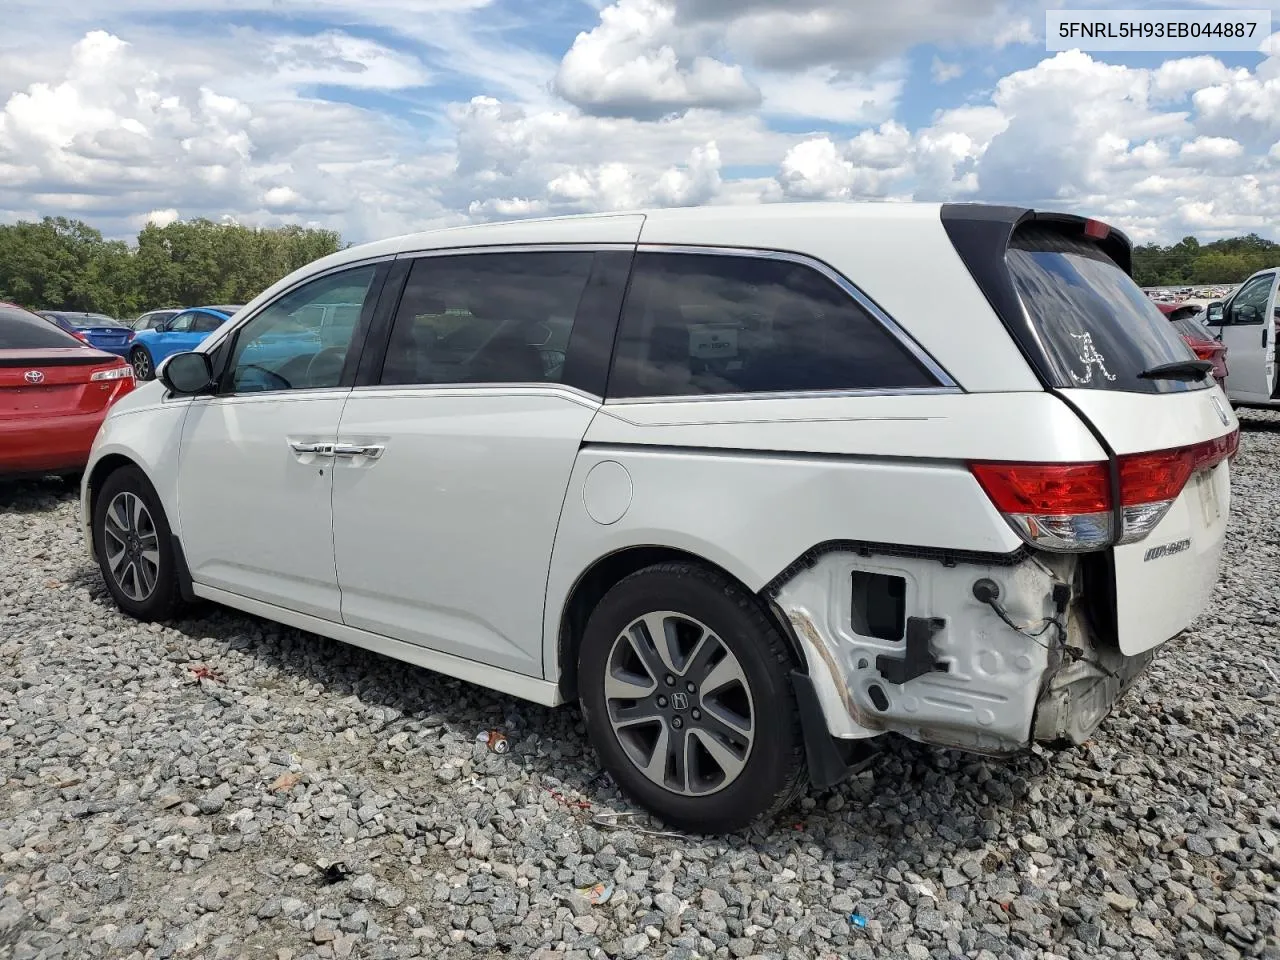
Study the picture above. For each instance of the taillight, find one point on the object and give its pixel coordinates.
(1069, 506)
(124, 372)
(1058, 506)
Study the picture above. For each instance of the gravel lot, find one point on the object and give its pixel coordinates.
(230, 788)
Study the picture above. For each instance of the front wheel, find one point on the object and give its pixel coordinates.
(143, 368)
(134, 547)
(685, 692)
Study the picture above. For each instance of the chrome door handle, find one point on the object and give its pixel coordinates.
(353, 450)
(319, 449)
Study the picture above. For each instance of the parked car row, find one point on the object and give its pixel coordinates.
(148, 339)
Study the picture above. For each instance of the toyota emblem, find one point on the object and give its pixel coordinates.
(33, 376)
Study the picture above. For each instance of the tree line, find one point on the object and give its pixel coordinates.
(62, 264)
(66, 264)
(1190, 262)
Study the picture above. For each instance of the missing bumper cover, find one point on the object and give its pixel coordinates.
(918, 658)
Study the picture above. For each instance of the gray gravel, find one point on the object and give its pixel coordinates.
(230, 788)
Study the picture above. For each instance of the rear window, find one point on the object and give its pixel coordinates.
(20, 330)
(1193, 327)
(1098, 330)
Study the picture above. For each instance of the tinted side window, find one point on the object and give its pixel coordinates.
(708, 324)
(1250, 304)
(487, 318)
(206, 323)
(183, 323)
(292, 345)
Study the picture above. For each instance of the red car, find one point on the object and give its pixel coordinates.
(1199, 337)
(54, 393)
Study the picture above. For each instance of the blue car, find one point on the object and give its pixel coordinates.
(180, 333)
(96, 329)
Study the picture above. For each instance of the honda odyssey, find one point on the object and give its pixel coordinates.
(750, 484)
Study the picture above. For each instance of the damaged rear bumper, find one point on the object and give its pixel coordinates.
(901, 643)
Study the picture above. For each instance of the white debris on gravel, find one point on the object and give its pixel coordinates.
(225, 787)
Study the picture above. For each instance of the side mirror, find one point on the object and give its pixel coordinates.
(187, 374)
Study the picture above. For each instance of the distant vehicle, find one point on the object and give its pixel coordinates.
(96, 329)
(54, 393)
(1186, 320)
(183, 331)
(154, 319)
(1246, 322)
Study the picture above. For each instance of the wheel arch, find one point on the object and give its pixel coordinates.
(98, 475)
(606, 572)
(102, 470)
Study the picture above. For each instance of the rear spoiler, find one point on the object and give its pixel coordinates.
(981, 234)
(978, 228)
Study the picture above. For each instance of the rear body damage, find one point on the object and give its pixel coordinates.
(904, 644)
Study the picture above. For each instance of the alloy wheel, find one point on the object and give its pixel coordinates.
(141, 365)
(132, 546)
(679, 703)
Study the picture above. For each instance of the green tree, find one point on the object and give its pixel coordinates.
(66, 264)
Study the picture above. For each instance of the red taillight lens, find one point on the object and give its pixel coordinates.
(1046, 488)
(1151, 477)
(1067, 506)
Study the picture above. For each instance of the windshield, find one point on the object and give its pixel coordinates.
(1097, 328)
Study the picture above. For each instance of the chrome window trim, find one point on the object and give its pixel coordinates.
(517, 248)
(891, 326)
(496, 388)
(789, 395)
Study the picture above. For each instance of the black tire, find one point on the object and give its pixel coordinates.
(144, 368)
(774, 772)
(165, 598)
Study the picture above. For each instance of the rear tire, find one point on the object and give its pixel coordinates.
(685, 693)
(144, 367)
(134, 547)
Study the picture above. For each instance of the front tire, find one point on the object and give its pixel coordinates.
(685, 693)
(134, 547)
(143, 366)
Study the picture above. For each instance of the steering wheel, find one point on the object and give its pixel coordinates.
(552, 363)
(271, 375)
(334, 358)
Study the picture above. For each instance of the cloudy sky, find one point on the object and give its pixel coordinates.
(378, 117)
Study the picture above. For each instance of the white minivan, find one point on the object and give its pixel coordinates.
(1246, 323)
(750, 484)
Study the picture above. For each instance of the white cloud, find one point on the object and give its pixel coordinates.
(1014, 32)
(943, 72)
(825, 93)
(670, 102)
(161, 218)
(637, 63)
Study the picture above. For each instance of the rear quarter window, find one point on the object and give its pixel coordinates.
(1097, 329)
(697, 324)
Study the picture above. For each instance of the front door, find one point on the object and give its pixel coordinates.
(256, 467)
(1248, 328)
(451, 469)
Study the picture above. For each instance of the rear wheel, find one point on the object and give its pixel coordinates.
(143, 367)
(134, 547)
(684, 688)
